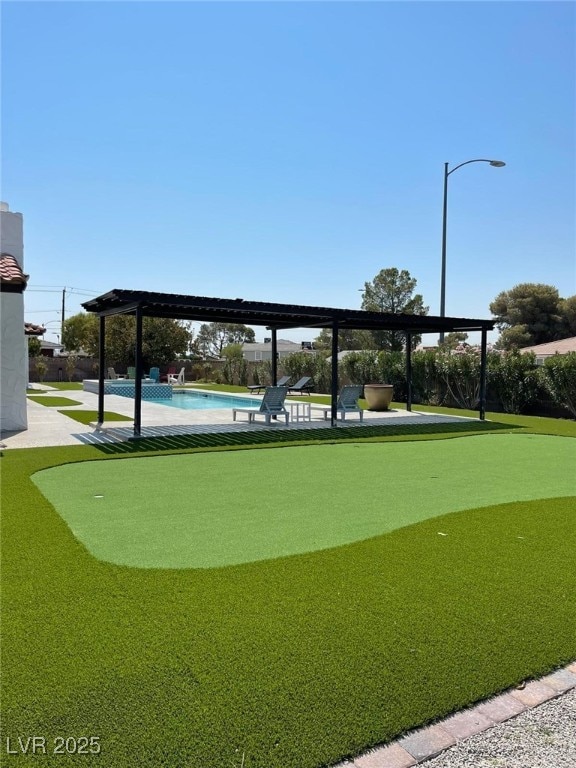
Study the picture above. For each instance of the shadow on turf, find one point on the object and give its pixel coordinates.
(330, 434)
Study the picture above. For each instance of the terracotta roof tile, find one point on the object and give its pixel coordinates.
(34, 330)
(10, 271)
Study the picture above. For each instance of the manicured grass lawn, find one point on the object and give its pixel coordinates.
(53, 401)
(333, 495)
(298, 661)
(86, 417)
(62, 385)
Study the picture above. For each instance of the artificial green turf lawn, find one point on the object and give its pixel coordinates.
(53, 401)
(175, 511)
(288, 663)
(86, 417)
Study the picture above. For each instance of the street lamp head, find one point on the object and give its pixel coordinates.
(497, 163)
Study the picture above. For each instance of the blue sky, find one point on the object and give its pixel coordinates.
(288, 151)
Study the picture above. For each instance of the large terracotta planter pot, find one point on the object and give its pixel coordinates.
(378, 396)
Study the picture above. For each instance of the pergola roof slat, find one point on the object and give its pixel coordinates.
(273, 315)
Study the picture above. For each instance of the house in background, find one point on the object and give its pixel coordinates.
(258, 352)
(51, 349)
(551, 348)
(13, 341)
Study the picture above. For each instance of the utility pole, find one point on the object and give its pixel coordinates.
(63, 314)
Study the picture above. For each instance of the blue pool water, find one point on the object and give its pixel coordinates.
(195, 401)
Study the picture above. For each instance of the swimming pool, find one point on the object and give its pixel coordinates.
(200, 401)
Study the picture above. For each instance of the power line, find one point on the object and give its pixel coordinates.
(60, 288)
(40, 311)
(43, 290)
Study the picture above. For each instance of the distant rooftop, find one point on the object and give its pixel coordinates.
(560, 347)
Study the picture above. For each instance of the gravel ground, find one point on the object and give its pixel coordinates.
(544, 737)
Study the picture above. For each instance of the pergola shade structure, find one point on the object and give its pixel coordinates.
(274, 317)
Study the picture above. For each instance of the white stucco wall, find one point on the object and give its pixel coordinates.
(12, 235)
(13, 363)
(13, 342)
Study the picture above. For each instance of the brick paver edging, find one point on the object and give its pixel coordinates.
(425, 743)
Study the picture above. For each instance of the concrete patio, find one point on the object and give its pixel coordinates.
(48, 427)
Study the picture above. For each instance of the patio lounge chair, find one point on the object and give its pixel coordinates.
(171, 372)
(131, 372)
(113, 375)
(272, 405)
(347, 403)
(305, 384)
(155, 375)
(180, 379)
(257, 388)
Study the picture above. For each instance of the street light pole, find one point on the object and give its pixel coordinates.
(493, 163)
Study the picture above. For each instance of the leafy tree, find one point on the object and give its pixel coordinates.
(347, 339)
(213, 337)
(34, 346)
(567, 308)
(531, 313)
(235, 368)
(80, 332)
(163, 339)
(452, 340)
(515, 337)
(392, 291)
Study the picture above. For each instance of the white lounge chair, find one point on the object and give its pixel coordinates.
(180, 379)
(272, 405)
(113, 375)
(347, 403)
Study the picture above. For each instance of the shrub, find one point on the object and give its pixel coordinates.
(322, 373)
(41, 367)
(560, 380)
(235, 368)
(460, 373)
(298, 364)
(427, 386)
(315, 365)
(71, 363)
(262, 373)
(197, 372)
(361, 367)
(514, 379)
(391, 369)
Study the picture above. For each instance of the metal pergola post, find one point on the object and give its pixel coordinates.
(274, 357)
(138, 381)
(483, 368)
(102, 368)
(408, 371)
(334, 382)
